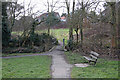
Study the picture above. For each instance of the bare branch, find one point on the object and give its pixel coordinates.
(59, 8)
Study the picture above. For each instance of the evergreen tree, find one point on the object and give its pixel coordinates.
(51, 20)
(5, 30)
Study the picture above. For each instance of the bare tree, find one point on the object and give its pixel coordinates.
(69, 17)
(27, 24)
(118, 25)
(85, 6)
(14, 10)
(75, 23)
(113, 23)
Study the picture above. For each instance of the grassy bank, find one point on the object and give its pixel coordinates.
(26, 67)
(103, 69)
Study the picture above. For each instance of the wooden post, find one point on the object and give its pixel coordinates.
(63, 43)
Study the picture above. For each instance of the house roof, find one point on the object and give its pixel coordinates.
(63, 17)
(45, 14)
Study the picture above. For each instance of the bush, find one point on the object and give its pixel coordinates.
(31, 44)
(70, 45)
(14, 42)
(34, 39)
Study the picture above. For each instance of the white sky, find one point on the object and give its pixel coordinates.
(40, 5)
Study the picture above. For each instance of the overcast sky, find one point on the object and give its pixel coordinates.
(39, 5)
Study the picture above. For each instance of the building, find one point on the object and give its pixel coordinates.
(63, 18)
(45, 15)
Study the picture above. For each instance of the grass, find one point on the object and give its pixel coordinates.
(17, 32)
(103, 69)
(74, 58)
(60, 34)
(27, 67)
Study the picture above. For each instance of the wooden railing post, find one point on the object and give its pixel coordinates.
(63, 43)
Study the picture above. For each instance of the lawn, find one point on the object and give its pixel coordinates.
(61, 33)
(103, 69)
(27, 67)
(58, 33)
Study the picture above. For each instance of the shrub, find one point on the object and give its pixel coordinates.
(34, 39)
(70, 45)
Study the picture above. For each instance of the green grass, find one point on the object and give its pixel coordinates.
(103, 69)
(60, 34)
(17, 32)
(74, 58)
(27, 67)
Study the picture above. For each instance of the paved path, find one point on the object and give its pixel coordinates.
(60, 68)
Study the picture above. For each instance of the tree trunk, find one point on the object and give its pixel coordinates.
(77, 37)
(70, 33)
(118, 25)
(49, 30)
(77, 34)
(33, 28)
(81, 32)
(113, 25)
(71, 27)
(81, 28)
